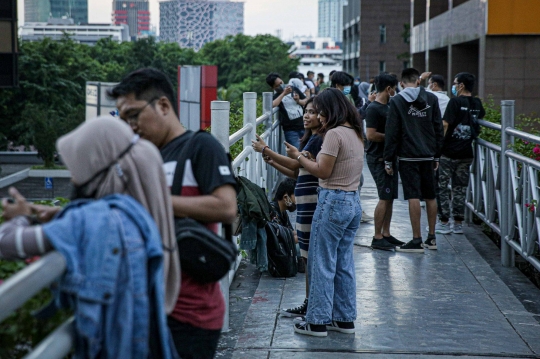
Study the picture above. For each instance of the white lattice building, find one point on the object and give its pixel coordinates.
(192, 23)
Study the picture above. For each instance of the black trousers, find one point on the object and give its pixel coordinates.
(192, 342)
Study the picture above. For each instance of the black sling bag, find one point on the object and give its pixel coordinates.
(204, 256)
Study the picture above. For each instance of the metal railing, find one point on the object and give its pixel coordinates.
(502, 182)
(16, 290)
(247, 163)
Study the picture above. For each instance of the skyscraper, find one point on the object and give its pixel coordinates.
(134, 13)
(192, 23)
(75, 9)
(37, 10)
(331, 19)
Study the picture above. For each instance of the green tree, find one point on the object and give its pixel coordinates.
(245, 61)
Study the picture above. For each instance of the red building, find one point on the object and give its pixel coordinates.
(134, 13)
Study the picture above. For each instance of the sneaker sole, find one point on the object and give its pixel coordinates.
(341, 330)
(290, 315)
(419, 250)
(383, 248)
(458, 232)
(430, 247)
(313, 334)
(438, 231)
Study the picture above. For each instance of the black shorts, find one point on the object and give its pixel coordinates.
(387, 186)
(418, 179)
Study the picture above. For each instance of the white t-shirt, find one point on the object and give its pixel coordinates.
(443, 100)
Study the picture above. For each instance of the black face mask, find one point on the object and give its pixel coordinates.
(80, 191)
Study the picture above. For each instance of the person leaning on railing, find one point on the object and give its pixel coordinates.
(117, 238)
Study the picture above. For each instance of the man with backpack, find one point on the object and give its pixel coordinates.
(460, 128)
(146, 101)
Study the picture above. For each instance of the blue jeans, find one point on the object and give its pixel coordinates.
(293, 137)
(332, 293)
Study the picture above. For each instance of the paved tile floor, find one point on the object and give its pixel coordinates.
(441, 304)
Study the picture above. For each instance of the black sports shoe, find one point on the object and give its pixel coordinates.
(431, 242)
(393, 240)
(316, 330)
(382, 244)
(342, 327)
(413, 246)
(295, 312)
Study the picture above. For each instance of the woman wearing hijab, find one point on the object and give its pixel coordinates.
(117, 238)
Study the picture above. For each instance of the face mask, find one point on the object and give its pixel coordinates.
(347, 90)
(454, 90)
(356, 83)
(280, 88)
(392, 95)
(81, 192)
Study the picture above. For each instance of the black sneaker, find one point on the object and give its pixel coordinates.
(413, 246)
(431, 242)
(316, 330)
(342, 327)
(295, 312)
(301, 265)
(393, 240)
(382, 244)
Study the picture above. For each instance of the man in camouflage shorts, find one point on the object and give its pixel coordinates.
(460, 129)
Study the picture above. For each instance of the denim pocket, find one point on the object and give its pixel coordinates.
(340, 212)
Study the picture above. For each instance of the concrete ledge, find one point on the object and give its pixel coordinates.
(50, 173)
(29, 157)
(14, 178)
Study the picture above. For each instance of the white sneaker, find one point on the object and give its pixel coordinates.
(458, 229)
(366, 217)
(442, 228)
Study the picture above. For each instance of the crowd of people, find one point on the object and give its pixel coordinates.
(416, 132)
(118, 233)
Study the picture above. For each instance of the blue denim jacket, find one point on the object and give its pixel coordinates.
(114, 278)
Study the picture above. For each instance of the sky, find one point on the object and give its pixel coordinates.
(293, 17)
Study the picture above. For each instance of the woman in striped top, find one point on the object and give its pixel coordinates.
(306, 186)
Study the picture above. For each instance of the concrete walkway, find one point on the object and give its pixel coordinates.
(454, 302)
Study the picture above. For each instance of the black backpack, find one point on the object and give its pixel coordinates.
(282, 259)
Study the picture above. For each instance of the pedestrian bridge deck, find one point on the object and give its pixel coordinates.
(454, 302)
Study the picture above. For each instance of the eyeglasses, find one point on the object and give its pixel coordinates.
(133, 118)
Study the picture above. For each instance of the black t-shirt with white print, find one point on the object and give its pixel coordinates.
(458, 138)
(207, 169)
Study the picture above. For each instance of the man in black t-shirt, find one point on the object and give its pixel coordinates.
(291, 112)
(461, 129)
(146, 100)
(387, 186)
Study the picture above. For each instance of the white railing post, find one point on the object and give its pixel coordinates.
(220, 122)
(267, 109)
(250, 117)
(507, 120)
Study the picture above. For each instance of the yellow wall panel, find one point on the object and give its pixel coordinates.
(513, 17)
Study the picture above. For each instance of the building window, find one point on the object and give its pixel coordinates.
(406, 64)
(382, 31)
(382, 66)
